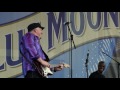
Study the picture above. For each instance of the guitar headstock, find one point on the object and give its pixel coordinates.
(65, 65)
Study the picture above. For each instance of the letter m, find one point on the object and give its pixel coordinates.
(56, 23)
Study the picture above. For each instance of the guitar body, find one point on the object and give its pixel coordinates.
(47, 71)
(43, 71)
(38, 68)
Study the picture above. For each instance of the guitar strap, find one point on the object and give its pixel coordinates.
(46, 56)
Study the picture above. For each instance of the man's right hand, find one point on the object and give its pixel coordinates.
(44, 63)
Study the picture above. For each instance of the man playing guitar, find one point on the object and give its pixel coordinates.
(32, 52)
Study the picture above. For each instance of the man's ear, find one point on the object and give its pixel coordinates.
(34, 30)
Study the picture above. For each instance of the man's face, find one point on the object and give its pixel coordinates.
(101, 67)
(39, 32)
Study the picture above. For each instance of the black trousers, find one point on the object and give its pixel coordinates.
(33, 74)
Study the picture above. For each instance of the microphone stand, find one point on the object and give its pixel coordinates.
(115, 61)
(72, 41)
(86, 64)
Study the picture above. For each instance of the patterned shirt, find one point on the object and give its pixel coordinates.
(96, 74)
(31, 48)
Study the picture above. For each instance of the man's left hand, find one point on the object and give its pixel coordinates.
(59, 67)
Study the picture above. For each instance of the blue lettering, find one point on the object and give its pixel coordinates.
(10, 62)
(114, 16)
(2, 67)
(82, 22)
(52, 22)
(90, 21)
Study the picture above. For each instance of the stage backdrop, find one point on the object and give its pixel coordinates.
(94, 33)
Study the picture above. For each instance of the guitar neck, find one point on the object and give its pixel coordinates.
(53, 65)
(62, 64)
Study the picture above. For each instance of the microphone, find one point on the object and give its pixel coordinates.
(103, 52)
(66, 23)
(87, 57)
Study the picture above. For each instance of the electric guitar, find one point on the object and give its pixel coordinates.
(45, 71)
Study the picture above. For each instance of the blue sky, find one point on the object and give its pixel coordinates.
(6, 17)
